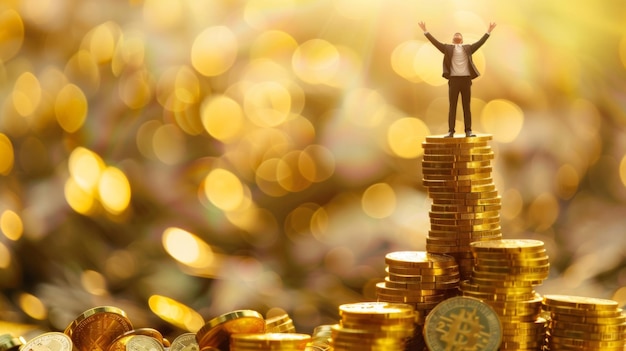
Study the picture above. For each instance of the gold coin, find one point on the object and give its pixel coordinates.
(462, 323)
(437, 147)
(410, 298)
(153, 333)
(431, 165)
(588, 327)
(466, 228)
(477, 150)
(96, 328)
(433, 272)
(486, 296)
(441, 139)
(580, 302)
(456, 183)
(458, 158)
(185, 342)
(422, 286)
(53, 341)
(269, 341)
(376, 310)
(468, 202)
(515, 270)
(524, 290)
(506, 276)
(582, 343)
(511, 256)
(217, 331)
(419, 259)
(510, 246)
(463, 215)
(512, 262)
(502, 283)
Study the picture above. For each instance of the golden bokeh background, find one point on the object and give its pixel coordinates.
(182, 159)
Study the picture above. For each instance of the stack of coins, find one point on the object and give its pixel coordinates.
(504, 276)
(379, 326)
(269, 342)
(465, 202)
(584, 323)
(280, 324)
(218, 331)
(419, 279)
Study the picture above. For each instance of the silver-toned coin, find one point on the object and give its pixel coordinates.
(53, 341)
(143, 343)
(185, 342)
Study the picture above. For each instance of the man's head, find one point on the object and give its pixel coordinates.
(457, 38)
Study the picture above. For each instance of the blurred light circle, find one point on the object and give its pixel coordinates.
(402, 60)
(223, 189)
(26, 94)
(222, 117)
(379, 200)
(12, 33)
(214, 51)
(11, 225)
(275, 45)
(7, 157)
(503, 119)
(114, 190)
(427, 65)
(267, 104)
(405, 137)
(316, 61)
(71, 108)
(85, 167)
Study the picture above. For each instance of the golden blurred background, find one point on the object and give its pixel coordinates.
(182, 159)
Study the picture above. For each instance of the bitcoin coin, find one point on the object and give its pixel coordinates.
(96, 328)
(462, 323)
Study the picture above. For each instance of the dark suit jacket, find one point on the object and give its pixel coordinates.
(448, 49)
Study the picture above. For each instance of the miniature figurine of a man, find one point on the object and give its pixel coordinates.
(459, 70)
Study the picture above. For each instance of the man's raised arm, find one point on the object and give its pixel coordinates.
(436, 43)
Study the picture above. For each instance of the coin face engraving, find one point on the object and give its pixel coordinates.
(462, 324)
(143, 343)
(185, 342)
(96, 329)
(53, 341)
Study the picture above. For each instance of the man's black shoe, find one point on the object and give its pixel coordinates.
(469, 134)
(450, 135)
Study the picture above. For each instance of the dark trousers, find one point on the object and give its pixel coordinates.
(463, 86)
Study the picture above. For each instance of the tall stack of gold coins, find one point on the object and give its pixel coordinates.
(584, 323)
(465, 203)
(280, 324)
(504, 276)
(379, 326)
(269, 342)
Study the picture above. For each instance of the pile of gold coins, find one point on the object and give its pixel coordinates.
(269, 341)
(504, 276)
(465, 203)
(583, 323)
(419, 279)
(375, 326)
